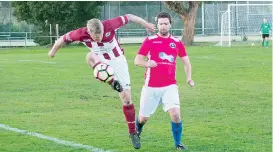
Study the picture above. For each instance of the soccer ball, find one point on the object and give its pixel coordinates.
(104, 72)
(253, 44)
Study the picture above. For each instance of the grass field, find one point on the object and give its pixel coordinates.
(229, 110)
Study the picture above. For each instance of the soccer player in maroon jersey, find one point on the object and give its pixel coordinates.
(100, 38)
(160, 85)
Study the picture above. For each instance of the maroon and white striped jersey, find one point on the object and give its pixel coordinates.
(109, 47)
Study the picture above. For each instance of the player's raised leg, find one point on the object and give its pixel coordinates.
(93, 60)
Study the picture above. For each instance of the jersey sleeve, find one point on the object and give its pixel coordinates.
(117, 22)
(144, 48)
(72, 36)
(182, 50)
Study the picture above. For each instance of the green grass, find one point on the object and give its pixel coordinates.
(228, 110)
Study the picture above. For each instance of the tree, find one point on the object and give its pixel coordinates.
(4, 4)
(188, 11)
(4, 7)
(68, 14)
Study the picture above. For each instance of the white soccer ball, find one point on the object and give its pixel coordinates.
(253, 44)
(103, 72)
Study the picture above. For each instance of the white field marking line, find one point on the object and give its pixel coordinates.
(56, 140)
(37, 61)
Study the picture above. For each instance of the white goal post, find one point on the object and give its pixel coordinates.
(241, 23)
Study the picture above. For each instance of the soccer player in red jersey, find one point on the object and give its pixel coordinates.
(100, 37)
(160, 85)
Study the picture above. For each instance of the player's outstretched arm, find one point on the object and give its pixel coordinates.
(57, 45)
(149, 26)
(187, 68)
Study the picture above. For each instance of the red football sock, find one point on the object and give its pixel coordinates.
(129, 113)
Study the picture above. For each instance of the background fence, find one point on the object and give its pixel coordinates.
(208, 22)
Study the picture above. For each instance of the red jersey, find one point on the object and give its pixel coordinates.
(109, 47)
(164, 52)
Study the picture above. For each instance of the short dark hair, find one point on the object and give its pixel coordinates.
(164, 15)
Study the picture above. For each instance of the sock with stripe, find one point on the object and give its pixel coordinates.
(129, 113)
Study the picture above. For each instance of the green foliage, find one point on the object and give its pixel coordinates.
(182, 7)
(4, 4)
(4, 27)
(138, 3)
(69, 15)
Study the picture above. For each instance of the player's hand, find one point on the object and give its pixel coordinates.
(261, 32)
(150, 27)
(191, 83)
(51, 54)
(151, 64)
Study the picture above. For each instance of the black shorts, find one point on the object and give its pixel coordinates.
(265, 35)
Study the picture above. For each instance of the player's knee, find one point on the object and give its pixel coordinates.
(91, 59)
(175, 114)
(176, 118)
(142, 120)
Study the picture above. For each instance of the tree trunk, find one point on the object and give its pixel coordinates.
(189, 25)
(188, 12)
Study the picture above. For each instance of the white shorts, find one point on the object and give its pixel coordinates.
(121, 71)
(151, 97)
